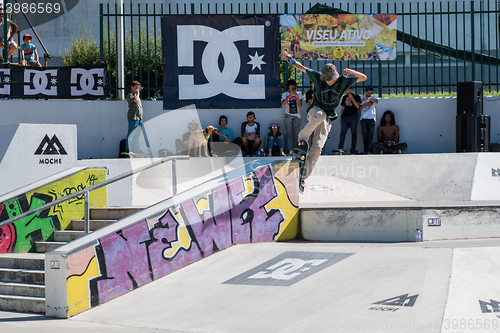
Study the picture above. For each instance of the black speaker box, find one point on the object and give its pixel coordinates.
(469, 98)
(473, 133)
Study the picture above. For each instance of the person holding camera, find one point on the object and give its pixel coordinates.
(134, 117)
(293, 101)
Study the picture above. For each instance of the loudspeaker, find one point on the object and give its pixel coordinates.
(470, 98)
(473, 133)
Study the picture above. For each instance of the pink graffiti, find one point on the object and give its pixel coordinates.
(7, 236)
(137, 255)
(164, 233)
(126, 259)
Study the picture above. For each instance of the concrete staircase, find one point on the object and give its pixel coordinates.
(22, 275)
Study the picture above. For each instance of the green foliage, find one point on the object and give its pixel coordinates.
(143, 57)
(82, 51)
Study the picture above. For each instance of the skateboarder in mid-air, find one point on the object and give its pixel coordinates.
(328, 91)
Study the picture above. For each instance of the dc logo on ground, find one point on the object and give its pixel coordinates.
(220, 43)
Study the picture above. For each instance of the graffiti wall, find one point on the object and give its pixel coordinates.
(21, 235)
(261, 206)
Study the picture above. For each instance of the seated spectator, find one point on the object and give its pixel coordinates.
(250, 135)
(223, 142)
(182, 146)
(388, 135)
(274, 141)
(29, 54)
(11, 32)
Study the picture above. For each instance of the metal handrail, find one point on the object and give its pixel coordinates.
(86, 191)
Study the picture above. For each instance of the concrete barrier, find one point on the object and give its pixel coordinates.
(257, 203)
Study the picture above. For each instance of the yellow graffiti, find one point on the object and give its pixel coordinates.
(183, 239)
(72, 209)
(249, 187)
(202, 204)
(77, 289)
(288, 228)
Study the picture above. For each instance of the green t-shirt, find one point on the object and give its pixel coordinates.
(326, 97)
(134, 109)
(227, 132)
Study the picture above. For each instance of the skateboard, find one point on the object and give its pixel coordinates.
(299, 154)
(338, 152)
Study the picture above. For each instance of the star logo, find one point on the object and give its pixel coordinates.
(53, 81)
(6, 79)
(256, 61)
(100, 82)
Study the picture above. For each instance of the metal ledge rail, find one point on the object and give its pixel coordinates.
(104, 183)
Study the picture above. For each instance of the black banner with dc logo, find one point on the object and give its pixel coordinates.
(86, 81)
(221, 61)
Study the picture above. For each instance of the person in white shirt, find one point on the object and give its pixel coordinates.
(250, 135)
(368, 118)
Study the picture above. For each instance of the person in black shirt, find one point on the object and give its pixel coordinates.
(349, 118)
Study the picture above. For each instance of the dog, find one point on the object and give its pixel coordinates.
(199, 141)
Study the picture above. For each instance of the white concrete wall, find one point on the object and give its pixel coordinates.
(426, 124)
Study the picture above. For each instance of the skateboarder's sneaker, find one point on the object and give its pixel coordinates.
(302, 185)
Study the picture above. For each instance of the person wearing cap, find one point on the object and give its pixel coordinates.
(292, 99)
(274, 140)
(328, 91)
(250, 135)
(182, 146)
(368, 118)
(134, 117)
(29, 54)
(11, 32)
(349, 118)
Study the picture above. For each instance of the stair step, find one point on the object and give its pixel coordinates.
(112, 213)
(43, 247)
(22, 275)
(94, 224)
(22, 289)
(67, 235)
(22, 303)
(23, 260)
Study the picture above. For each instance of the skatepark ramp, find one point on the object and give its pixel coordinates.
(257, 202)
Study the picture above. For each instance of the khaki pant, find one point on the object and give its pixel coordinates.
(319, 126)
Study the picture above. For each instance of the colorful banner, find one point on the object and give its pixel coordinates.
(221, 61)
(340, 36)
(85, 81)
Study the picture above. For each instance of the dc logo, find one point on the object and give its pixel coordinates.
(287, 269)
(220, 43)
(5, 81)
(87, 81)
(43, 82)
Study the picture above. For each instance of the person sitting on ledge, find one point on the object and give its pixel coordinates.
(388, 135)
(274, 141)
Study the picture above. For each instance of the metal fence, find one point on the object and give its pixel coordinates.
(439, 44)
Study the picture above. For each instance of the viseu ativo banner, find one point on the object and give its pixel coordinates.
(221, 61)
(340, 36)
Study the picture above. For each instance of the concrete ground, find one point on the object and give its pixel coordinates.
(307, 287)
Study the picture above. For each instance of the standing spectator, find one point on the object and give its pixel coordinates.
(368, 116)
(223, 141)
(310, 95)
(29, 55)
(11, 31)
(134, 117)
(293, 101)
(349, 118)
(250, 135)
(274, 141)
